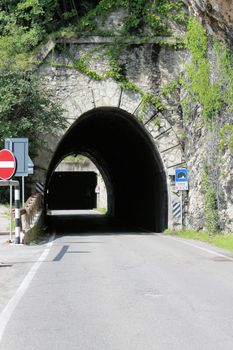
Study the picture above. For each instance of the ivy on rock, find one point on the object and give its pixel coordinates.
(213, 95)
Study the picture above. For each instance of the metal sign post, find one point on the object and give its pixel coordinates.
(10, 148)
(10, 212)
(181, 180)
(23, 195)
(181, 210)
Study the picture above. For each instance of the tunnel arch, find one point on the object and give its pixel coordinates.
(128, 159)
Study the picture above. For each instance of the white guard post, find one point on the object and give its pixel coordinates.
(17, 215)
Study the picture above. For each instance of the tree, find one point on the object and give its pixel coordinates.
(25, 109)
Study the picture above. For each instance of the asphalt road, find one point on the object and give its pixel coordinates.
(123, 292)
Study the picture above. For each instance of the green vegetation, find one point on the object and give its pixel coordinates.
(157, 122)
(25, 109)
(81, 64)
(220, 240)
(224, 67)
(115, 71)
(140, 14)
(88, 22)
(102, 210)
(80, 159)
(169, 88)
(209, 82)
(215, 95)
(210, 202)
(226, 138)
(26, 23)
(199, 84)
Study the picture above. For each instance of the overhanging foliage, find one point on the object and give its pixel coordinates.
(26, 110)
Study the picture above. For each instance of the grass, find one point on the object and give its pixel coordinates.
(221, 240)
(102, 210)
(6, 215)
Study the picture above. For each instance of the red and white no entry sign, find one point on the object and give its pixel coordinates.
(7, 164)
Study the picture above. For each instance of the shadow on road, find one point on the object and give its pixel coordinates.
(90, 224)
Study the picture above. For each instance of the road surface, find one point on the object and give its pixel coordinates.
(123, 292)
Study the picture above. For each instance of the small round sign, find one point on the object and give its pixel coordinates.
(7, 164)
(97, 189)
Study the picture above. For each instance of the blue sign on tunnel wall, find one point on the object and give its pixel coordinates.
(181, 175)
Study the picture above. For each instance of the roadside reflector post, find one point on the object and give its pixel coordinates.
(17, 215)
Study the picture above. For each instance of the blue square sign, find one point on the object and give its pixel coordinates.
(181, 175)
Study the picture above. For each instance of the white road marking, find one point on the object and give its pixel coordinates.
(14, 301)
(198, 247)
(153, 295)
(7, 164)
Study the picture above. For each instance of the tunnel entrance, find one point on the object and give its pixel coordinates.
(129, 162)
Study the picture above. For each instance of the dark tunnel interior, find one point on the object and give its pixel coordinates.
(76, 190)
(129, 162)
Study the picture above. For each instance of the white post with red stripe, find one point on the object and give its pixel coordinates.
(7, 170)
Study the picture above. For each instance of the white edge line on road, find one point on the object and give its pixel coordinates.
(198, 247)
(14, 301)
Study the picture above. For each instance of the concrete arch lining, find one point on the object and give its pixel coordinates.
(134, 172)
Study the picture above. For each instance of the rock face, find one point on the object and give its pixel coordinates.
(202, 145)
(216, 15)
